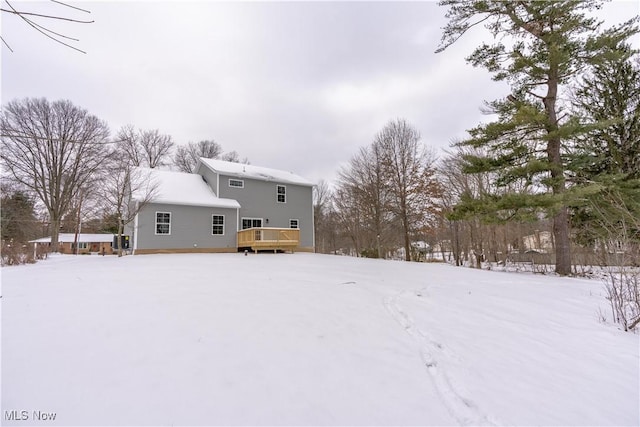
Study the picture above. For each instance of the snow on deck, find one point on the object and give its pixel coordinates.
(307, 339)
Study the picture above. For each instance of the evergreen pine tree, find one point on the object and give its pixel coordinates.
(541, 47)
(18, 219)
(608, 101)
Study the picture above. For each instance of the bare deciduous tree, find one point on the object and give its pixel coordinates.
(186, 157)
(410, 172)
(147, 148)
(128, 145)
(321, 197)
(348, 216)
(126, 189)
(478, 233)
(388, 195)
(233, 156)
(365, 176)
(468, 231)
(52, 149)
(156, 148)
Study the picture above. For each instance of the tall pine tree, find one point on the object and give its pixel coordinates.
(540, 47)
(608, 100)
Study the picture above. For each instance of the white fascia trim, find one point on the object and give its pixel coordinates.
(135, 230)
(313, 224)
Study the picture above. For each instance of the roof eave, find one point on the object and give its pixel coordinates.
(240, 175)
(280, 181)
(196, 204)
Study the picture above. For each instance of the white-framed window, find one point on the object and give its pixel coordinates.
(251, 223)
(281, 193)
(83, 245)
(163, 222)
(236, 183)
(217, 225)
(294, 223)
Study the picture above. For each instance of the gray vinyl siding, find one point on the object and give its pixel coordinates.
(210, 177)
(258, 200)
(191, 227)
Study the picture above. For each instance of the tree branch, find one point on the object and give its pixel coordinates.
(23, 15)
(6, 44)
(72, 7)
(71, 141)
(51, 31)
(16, 12)
(462, 31)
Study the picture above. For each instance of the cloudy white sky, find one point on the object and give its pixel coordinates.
(298, 86)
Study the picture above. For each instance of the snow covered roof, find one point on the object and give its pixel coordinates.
(254, 172)
(82, 237)
(179, 188)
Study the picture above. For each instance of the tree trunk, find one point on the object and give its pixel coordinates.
(563, 242)
(120, 227)
(479, 258)
(354, 239)
(560, 219)
(473, 244)
(456, 244)
(78, 227)
(55, 233)
(407, 241)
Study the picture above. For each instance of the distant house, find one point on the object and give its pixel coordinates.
(87, 243)
(225, 207)
(540, 241)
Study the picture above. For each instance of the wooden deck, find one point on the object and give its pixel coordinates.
(269, 238)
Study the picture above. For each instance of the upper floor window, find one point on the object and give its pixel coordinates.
(163, 222)
(238, 183)
(294, 223)
(217, 225)
(281, 194)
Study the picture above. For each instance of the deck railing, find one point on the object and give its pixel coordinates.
(269, 238)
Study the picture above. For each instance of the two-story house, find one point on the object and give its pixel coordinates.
(225, 207)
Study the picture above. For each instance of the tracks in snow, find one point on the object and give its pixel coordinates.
(433, 353)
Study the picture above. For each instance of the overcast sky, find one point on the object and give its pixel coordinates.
(297, 86)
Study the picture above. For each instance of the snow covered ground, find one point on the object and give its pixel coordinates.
(304, 339)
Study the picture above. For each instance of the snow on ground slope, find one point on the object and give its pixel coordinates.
(304, 339)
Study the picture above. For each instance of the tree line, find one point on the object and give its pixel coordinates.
(560, 152)
(61, 163)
